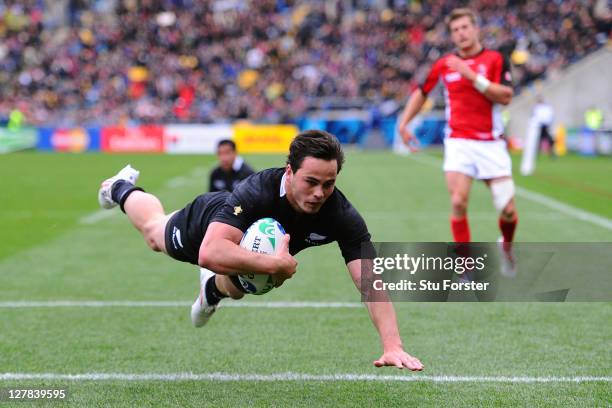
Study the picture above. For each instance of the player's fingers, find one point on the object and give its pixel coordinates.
(284, 244)
(413, 364)
(418, 366)
(398, 363)
(379, 363)
(278, 282)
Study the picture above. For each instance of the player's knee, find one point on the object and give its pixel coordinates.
(154, 245)
(459, 203)
(153, 236)
(503, 194)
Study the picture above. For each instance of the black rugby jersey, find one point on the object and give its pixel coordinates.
(261, 196)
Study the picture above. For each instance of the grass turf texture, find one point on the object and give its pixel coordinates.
(46, 253)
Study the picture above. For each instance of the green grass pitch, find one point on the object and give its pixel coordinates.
(56, 245)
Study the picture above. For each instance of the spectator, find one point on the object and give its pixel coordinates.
(268, 61)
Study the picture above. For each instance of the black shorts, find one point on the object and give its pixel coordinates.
(186, 228)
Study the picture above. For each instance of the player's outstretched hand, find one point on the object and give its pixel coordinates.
(409, 139)
(400, 359)
(286, 263)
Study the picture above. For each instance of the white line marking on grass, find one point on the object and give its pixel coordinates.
(426, 159)
(176, 182)
(532, 196)
(96, 216)
(289, 376)
(564, 208)
(484, 215)
(199, 172)
(130, 303)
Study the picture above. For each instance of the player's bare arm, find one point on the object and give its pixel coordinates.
(383, 317)
(495, 92)
(220, 252)
(413, 107)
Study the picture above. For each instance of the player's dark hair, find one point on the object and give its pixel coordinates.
(226, 142)
(458, 13)
(314, 143)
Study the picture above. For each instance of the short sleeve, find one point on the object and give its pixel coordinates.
(245, 204)
(354, 239)
(432, 78)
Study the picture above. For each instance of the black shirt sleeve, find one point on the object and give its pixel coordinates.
(248, 202)
(354, 239)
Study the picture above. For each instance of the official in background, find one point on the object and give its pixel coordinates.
(232, 169)
(544, 115)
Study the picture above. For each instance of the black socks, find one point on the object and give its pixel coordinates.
(213, 294)
(120, 191)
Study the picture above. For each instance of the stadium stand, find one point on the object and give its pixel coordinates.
(122, 61)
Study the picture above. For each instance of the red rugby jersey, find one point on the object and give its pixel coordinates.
(470, 114)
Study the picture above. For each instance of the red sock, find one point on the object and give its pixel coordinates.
(507, 228)
(460, 229)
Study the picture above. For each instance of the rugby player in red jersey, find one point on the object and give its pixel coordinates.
(476, 82)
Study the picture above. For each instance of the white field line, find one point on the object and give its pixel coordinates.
(177, 182)
(290, 376)
(564, 208)
(484, 215)
(538, 198)
(130, 303)
(96, 216)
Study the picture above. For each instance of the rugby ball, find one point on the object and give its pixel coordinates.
(263, 236)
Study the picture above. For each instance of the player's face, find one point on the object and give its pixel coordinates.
(226, 156)
(464, 33)
(311, 185)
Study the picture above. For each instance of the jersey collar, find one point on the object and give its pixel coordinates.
(237, 163)
(471, 56)
(282, 191)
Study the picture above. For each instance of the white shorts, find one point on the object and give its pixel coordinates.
(478, 159)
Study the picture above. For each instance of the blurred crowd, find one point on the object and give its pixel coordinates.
(101, 62)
